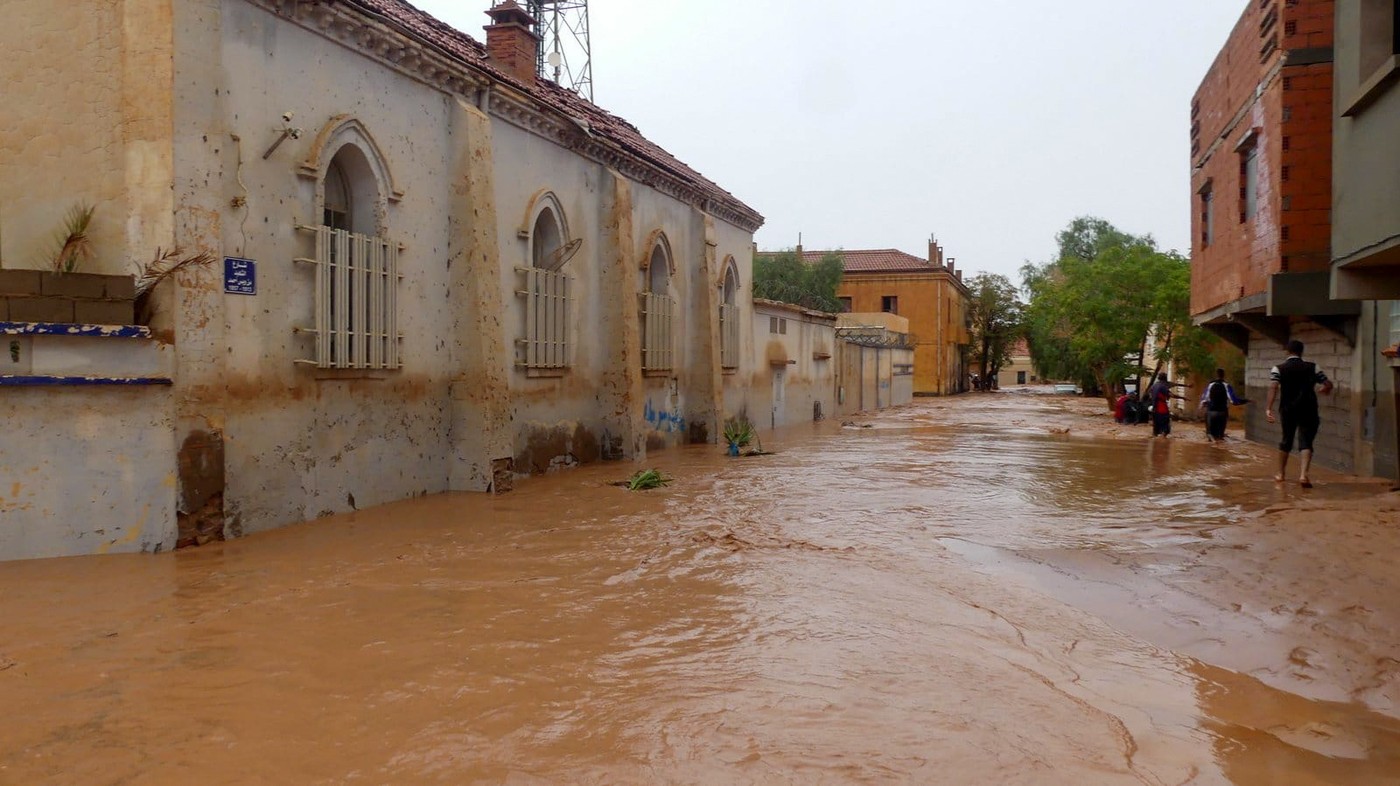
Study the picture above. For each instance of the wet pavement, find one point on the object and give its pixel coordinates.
(988, 589)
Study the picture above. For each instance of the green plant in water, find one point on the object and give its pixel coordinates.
(72, 246)
(738, 431)
(647, 479)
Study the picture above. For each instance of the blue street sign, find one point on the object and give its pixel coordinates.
(240, 276)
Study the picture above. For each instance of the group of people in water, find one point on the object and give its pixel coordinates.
(1293, 386)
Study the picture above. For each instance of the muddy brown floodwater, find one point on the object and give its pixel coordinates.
(990, 589)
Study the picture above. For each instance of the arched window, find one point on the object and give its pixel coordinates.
(548, 289)
(546, 241)
(731, 283)
(729, 317)
(336, 204)
(659, 271)
(350, 193)
(658, 310)
(356, 269)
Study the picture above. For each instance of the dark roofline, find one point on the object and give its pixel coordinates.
(601, 136)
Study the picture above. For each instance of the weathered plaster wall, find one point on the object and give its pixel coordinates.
(52, 160)
(559, 420)
(481, 410)
(87, 469)
(261, 440)
(1365, 206)
(738, 396)
(806, 380)
(300, 443)
(603, 406)
(103, 481)
(867, 377)
(1373, 401)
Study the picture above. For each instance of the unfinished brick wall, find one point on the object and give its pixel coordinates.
(1252, 91)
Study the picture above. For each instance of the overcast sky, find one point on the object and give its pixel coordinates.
(989, 123)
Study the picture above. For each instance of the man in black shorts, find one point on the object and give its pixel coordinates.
(1293, 388)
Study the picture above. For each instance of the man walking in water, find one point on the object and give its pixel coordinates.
(1159, 398)
(1217, 398)
(1293, 388)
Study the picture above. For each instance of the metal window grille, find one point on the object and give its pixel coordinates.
(1394, 322)
(658, 319)
(547, 296)
(729, 335)
(356, 300)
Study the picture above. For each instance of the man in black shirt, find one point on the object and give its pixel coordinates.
(1293, 388)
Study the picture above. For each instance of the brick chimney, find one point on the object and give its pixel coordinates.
(511, 42)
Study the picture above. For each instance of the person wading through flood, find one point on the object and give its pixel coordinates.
(1158, 398)
(1293, 386)
(1217, 398)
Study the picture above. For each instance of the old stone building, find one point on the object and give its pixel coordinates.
(1261, 190)
(433, 270)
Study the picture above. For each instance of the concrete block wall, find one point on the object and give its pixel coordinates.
(83, 298)
(1335, 446)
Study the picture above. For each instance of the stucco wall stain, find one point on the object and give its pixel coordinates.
(200, 513)
(556, 446)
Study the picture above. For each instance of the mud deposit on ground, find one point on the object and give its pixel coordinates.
(992, 589)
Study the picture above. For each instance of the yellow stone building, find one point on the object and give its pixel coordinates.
(929, 292)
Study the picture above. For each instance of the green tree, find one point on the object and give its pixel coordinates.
(783, 276)
(996, 313)
(1108, 304)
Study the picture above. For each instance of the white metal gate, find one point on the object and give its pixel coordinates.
(658, 319)
(547, 295)
(728, 335)
(356, 300)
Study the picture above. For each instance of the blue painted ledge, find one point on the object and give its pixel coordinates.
(15, 380)
(67, 329)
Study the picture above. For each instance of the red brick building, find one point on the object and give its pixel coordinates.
(1261, 193)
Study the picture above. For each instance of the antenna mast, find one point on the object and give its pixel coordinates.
(566, 55)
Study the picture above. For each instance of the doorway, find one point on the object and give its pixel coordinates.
(779, 393)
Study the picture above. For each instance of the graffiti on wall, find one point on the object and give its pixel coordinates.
(668, 420)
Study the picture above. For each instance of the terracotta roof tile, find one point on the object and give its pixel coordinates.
(424, 27)
(881, 260)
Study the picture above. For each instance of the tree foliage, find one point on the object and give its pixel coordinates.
(1109, 304)
(785, 277)
(996, 314)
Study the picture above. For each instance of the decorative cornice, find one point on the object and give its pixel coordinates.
(427, 63)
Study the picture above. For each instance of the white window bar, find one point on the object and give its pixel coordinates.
(658, 318)
(729, 335)
(547, 295)
(356, 294)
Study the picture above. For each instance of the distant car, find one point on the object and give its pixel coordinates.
(1065, 387)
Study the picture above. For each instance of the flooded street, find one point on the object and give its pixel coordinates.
(988, 589)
